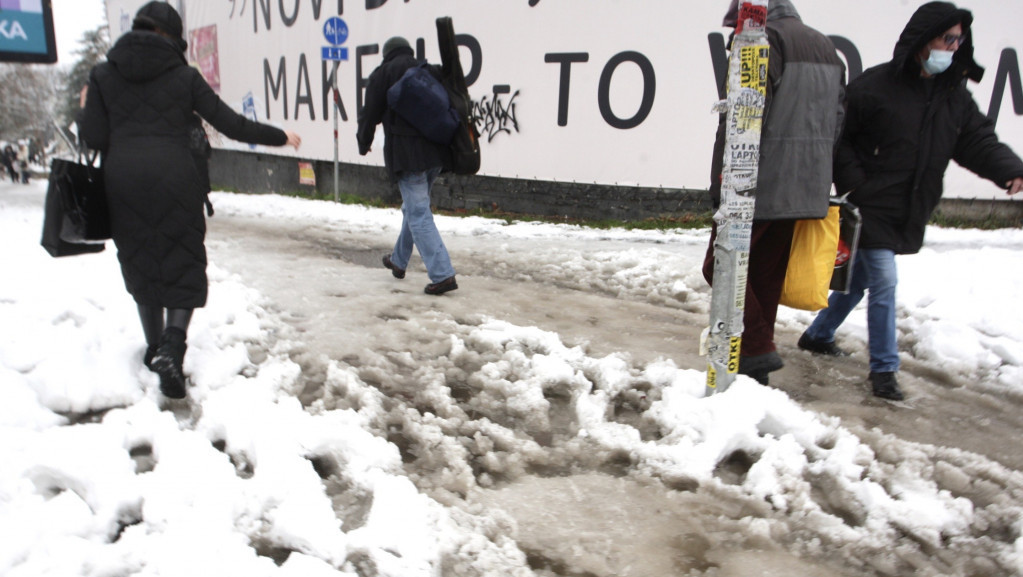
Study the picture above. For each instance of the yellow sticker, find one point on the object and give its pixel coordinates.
(734, 344)
(753, 60)
(712, 377)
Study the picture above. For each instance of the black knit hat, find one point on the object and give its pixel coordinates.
(394, 43)
(161, 16)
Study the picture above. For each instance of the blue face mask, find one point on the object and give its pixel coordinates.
(938, 61)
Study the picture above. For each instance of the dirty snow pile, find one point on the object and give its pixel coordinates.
(103, 477)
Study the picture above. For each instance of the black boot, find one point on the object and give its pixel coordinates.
(147, 358)
(152, 327)
(886, 386)
(167, 363)
(759, 367)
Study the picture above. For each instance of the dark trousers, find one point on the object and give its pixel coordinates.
(770, 243)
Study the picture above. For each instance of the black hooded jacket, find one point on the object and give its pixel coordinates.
(405, 149)
(139, 113)
(901, 131)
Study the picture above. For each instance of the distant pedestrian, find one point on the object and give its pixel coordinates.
(802, 122)
(23, 158)
(414, 162)
(139, 110)
(10, 158)
(906, 119)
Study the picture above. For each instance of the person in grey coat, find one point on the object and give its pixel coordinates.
(802, 124)
(138, 110)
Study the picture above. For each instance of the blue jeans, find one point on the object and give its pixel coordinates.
(418, 228)
(873, 271)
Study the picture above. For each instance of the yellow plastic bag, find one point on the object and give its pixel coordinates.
(811, 263)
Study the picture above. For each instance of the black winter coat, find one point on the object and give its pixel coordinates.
(405, 149)
(139, 113)
(901, 131)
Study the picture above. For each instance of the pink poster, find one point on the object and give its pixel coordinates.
(202, 53)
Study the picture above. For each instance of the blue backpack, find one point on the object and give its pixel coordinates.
(422, 101)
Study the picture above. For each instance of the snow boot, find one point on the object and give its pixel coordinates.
(758, 367)
(147, 358)
(167, 363)
(886, 386)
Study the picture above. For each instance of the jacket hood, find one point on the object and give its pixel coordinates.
(927, 23)
(777, 9)
(142, 56)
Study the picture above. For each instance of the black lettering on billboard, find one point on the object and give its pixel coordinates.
(472, 73)
(1008, 73)
(317, 4)
(853, 62)
(649, 90)
(260, 6)
(565, 59)
(361, 80)
(289, 21)
(280, 87)
(304, 92)
(719, 60)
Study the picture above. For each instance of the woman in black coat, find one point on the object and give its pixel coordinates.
(139, 110)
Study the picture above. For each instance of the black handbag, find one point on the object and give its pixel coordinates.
(76, 219)
(849, 226)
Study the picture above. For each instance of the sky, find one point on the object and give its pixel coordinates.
(256, 474)
(71, 19)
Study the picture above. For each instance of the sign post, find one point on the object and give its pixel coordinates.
(336, 32)
(747, 91)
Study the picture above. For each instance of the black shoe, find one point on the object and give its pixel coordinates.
(167, 363)
(397, 272)
(439, 288)
(147, 358)
(886, 386)
(759, 366)
(820, 347)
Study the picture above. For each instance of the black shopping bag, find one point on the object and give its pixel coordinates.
(848, 240)
(76, 219)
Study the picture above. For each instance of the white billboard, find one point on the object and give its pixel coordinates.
(603, 91)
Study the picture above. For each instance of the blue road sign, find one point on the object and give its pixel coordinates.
(335, 31)
(334, 53)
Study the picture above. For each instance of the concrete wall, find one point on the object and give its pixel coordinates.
(260, 173)
(263, 173)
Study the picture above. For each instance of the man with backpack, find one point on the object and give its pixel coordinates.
(414, 162)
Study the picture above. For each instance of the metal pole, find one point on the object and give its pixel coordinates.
(747, 90)
(337, 108)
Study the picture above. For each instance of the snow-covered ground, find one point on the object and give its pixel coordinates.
(548, 418)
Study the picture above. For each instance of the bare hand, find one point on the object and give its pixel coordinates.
(81, 95)
(1015, 185)
(293, 139)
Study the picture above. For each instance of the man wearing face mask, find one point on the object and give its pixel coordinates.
(905, 120)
